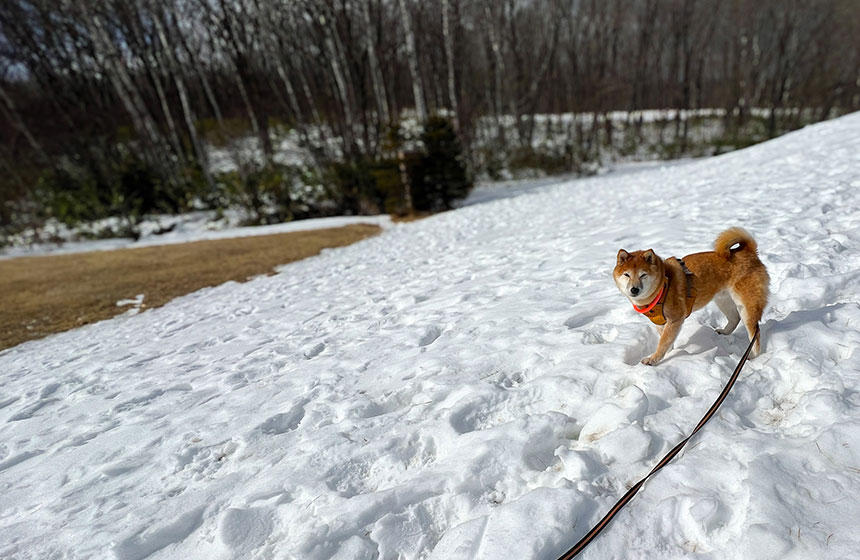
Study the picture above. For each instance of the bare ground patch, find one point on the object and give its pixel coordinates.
(50, 294)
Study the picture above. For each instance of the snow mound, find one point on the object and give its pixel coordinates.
(468, 386)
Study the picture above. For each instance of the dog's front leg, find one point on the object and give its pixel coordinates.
(668, 333)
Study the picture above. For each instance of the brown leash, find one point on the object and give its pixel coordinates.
(591, 535)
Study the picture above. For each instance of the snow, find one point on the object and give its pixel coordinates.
(195, 226)
(468, 386)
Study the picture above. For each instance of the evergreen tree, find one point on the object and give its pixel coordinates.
(440, 177)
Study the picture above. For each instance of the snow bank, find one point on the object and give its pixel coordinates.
(195, 226)
(468, 386)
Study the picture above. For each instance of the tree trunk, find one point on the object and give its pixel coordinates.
(499, 71)
(340, 83)
(412, 57)
(125, 88)
(187, 111)
(12, 115)
(382, 112)
(448, 40)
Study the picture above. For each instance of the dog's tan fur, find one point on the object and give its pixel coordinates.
(733, 277)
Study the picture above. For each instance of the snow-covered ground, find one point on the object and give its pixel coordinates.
(468, 386)
(195, 226)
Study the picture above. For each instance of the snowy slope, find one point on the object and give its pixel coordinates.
(468, 386)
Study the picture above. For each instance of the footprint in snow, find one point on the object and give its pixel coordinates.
(199, 461)
(29, 411)
(142, 400)
(243, 530)
(19, 458)
(4, 402)
(284, 422)
(475, 414)
(583, 316)
(507, 380)
(315, 351)
(598, 335)
(628, 406)
(577, 321)
(430, 335)
(350, 478)
(49, 390)
(147, 541)
(125, 466)
(644, 344)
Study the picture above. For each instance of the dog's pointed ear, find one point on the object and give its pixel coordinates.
(622, 256)
(649, 256)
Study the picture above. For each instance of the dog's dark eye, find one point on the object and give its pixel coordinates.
(627, 274)
(641, 276)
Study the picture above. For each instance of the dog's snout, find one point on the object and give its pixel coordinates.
(634, 290)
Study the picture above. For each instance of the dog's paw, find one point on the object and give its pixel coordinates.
(756, 351)
(650, 360)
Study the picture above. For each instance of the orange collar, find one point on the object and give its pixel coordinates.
(653, 303)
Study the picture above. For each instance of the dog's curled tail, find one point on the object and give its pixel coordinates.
(731, 237)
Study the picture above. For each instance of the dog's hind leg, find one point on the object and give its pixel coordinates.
(730, 310)
(751, 297)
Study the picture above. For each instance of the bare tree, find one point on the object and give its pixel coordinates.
(412, 58)
(88, 86)
(448, 40)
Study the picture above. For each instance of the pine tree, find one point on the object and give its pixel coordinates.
(440, 178)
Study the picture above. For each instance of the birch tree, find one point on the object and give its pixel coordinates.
(451, 80)
(412, 58)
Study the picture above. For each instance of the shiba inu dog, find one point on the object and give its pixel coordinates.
(668, 290)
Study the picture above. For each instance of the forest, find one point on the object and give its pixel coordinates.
(299, 108)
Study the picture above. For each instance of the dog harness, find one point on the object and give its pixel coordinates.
(654, 310)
